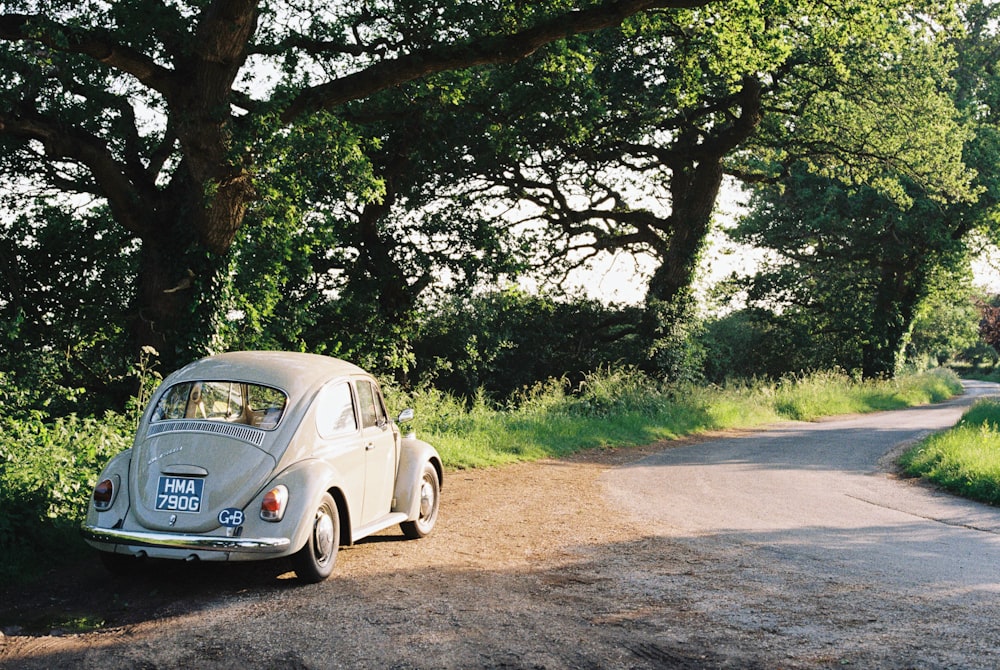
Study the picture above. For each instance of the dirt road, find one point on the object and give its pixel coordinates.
(558, 564)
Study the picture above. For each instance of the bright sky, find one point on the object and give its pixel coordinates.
(622, 279)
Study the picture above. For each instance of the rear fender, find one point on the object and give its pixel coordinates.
(306, 481)
(117, 471)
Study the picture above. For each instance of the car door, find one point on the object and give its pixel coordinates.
(341, 443)
(380, 451)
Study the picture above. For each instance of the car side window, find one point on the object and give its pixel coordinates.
(370, 403)
(335, 411)
(382, 416)
(173, 404)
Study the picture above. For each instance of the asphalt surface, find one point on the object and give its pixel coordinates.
(811, 511)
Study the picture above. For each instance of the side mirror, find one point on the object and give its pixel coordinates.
(405, 416)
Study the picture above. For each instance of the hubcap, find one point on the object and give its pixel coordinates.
(426, 498)
(323, 536)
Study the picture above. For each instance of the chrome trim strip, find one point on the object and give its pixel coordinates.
(254, 436)
(260, 545)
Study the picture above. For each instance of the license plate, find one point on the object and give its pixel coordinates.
(179, 494)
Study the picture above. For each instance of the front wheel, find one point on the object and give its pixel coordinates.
(430, 497)
(314, 562)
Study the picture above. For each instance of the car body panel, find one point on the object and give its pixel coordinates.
(414, 453)
(231, 471)
(322, 443)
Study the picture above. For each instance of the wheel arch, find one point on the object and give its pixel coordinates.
(343, 511)
(413, 454)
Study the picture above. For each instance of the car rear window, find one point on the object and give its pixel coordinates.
(231, 402)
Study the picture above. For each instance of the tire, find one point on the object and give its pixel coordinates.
(430, 498)
(314, 562)
(120, 565)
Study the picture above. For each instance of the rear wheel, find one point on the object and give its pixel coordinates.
(430, 496)
(314, 562)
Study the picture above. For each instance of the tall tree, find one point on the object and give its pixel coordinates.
(853, 263)
(161, 110)
(860, 258)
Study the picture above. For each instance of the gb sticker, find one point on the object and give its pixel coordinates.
(231, 517)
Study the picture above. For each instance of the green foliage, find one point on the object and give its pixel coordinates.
(758, 343)
(864, 98)
(947, 321)
(341, 211)
(47, 471)
(615, 390)
(676, 353)
(965, 459)
(852, 266)
(65, 287)
(873, 259)
(502, 343)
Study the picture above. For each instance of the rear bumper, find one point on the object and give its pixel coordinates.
(247, 545)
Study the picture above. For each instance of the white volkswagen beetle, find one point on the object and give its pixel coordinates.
(253, 455)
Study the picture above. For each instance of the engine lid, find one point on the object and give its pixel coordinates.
(187, 472)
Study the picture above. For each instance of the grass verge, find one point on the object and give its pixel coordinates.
(624, 408)
(964, 460)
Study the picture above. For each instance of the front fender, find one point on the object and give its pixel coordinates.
(413, 455)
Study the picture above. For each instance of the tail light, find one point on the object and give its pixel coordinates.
(104, 495)
(272, 507)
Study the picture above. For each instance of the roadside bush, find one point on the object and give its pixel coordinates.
(504, 343)
(620, 390)
(759, 344)
(47, 470)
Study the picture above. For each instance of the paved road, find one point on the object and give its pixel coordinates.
(816, 524)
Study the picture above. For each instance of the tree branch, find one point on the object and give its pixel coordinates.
(95, 43)
(65, 143)
(488, 50)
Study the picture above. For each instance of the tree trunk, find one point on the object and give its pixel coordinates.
(696, 170)
(895, 303)
(177, 294)
(695, 189)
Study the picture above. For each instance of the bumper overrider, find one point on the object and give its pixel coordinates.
(259, 545)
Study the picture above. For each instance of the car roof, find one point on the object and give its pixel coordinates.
(290, 371)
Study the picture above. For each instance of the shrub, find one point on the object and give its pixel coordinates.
(47, 470)
(502, 344)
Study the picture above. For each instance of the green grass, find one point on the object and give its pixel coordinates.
(965, 459)
(623, 408)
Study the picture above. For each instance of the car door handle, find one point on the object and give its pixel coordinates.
(369, 446)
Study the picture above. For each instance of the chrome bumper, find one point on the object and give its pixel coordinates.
(258, 545)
